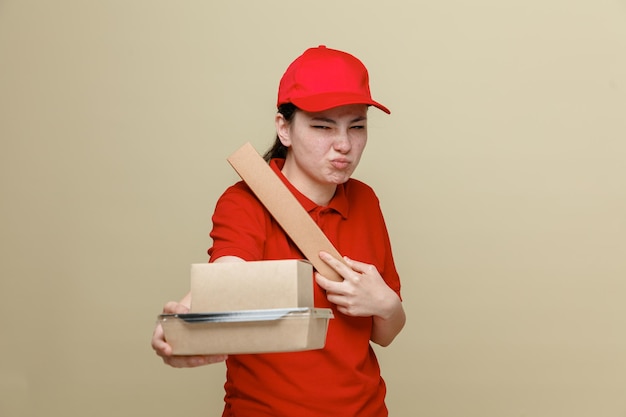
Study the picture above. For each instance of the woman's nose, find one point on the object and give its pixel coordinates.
(342, 142)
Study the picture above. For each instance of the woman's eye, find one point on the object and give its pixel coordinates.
(358, 127)
(320, 127)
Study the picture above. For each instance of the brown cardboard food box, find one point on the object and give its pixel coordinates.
(248, 307)
(247, 331)
(218, 287)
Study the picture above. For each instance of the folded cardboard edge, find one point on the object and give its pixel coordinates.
(285, 208)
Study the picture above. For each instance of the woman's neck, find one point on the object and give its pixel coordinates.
(320, 194)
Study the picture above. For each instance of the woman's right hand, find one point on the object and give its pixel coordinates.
(164, 350)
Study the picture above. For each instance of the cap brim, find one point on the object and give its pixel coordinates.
(323, 102)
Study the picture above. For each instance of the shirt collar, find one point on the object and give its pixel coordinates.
(339, 202)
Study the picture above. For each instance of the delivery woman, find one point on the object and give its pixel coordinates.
(321, 132)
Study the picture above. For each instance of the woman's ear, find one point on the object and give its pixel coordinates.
(282, 130)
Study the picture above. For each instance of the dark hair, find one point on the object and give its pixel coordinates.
(278, 150)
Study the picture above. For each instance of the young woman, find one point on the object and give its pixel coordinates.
(321, 127)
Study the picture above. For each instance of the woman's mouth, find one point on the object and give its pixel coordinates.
(340, 163)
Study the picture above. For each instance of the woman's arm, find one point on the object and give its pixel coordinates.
(386, 327)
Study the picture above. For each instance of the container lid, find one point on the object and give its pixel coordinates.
(250, 315)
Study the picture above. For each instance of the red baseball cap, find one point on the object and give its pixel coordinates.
(322, 78)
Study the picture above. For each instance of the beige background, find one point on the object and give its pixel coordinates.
(501, 172)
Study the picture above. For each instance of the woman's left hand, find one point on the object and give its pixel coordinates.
(363, 292)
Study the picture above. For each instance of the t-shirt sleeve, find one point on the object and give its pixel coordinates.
(238, 225)
(379, 233)
(390, 274)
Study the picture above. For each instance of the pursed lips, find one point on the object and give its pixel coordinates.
(340, 163)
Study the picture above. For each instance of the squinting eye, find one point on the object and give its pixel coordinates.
(320, 127)
(358, 127)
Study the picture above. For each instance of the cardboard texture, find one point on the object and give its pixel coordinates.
(285, 208)
(251, 285)
(295, 331)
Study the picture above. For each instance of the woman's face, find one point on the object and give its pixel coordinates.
(324, 147)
